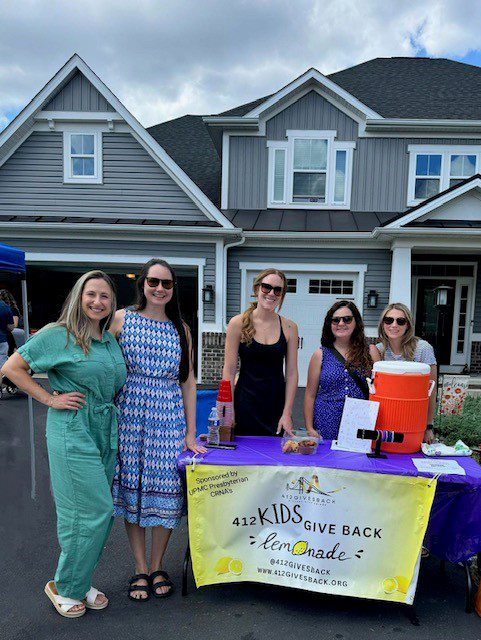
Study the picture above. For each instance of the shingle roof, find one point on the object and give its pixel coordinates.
(188, 143)
(422, 88)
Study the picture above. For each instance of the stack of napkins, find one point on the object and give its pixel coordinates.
(439, 449)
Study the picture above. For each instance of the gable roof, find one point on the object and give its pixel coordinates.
(411, 216)
(421, 88)
(16, 132)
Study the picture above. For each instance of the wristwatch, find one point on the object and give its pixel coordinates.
(430, 426)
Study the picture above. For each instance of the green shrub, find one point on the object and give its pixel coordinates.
(465, 427)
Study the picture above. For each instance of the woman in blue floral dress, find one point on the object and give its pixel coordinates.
(337, 370)
(156, 422)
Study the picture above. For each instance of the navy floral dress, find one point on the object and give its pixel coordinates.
(335, 385)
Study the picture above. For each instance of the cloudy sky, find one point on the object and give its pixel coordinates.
(167, 58)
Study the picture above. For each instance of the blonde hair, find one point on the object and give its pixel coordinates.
(247, 328)
(74, 319)
(408, 341)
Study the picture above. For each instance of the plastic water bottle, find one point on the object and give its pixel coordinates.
(213, 425)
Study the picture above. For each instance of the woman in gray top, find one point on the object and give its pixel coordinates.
(398, 342)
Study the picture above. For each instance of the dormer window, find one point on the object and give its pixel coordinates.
(435, 168)
(310, 170)
(83, 157)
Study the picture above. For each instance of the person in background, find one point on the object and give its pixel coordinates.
(398, 342)
(85, 369)
(7, 297)
(337, 370)
(265, 342)
(156, 423)
(6, 327)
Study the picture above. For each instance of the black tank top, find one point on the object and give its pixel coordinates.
(260, 391)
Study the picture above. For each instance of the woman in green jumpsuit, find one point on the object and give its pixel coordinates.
(85, 369)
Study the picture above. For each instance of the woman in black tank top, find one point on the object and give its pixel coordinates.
(267, 347)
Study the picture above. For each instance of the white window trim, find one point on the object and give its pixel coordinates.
(445, 152)
(68, 178)
(332, 147)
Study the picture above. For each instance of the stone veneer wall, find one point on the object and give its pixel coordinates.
(212, 357)
(475, 357)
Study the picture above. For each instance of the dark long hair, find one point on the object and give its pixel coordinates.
(358, 356)
(172, 309)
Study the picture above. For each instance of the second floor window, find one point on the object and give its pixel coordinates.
(83, 157)
(310, 170)
(435, 168)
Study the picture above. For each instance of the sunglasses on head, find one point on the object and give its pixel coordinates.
(399, 321)
(154, 282)
(267, 288)
(345, 319)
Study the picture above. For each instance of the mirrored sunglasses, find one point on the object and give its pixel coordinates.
(267, 288)
(399, 321)
(345, 319)
(154, 282)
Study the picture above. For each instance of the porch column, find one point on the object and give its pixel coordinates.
(400, 290)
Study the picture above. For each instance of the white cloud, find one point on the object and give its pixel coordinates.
(165, 58)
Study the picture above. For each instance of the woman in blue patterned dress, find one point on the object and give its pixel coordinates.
(337, 370)
(156, 422)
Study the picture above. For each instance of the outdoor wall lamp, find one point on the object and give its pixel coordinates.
(441, 295)
(372, 297)
(208, 294)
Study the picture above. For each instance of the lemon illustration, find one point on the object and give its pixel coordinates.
(235, 567)
(299, 548)
(402, 584)
(222, 565)
(390, 585)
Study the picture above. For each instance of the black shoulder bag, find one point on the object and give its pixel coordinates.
(360, 382)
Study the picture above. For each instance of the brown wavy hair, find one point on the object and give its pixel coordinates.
(358, 356)
(247, 328)
(408, 341)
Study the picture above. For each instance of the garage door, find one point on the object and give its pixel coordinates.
(309, 297)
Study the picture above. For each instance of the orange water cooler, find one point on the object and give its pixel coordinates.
(402, 390)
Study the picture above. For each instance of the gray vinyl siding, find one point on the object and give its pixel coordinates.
(311, 112)
(378, 275)
(134, 185)
(79, 94)
(381, 168)
(248, 167)
(110, 249)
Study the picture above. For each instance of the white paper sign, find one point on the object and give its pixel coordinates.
(430, 465)
(357, 414)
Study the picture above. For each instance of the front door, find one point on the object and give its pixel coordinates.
(433, 324)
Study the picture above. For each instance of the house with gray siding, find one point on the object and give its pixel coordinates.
(364, 184)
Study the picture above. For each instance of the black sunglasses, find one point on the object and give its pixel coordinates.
(267, 288)
(399, 321)
(154, 282)
(345, 319)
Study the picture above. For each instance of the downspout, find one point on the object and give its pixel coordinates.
(238, 243)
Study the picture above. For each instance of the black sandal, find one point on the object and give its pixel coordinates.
(139, 587)
(166, 582)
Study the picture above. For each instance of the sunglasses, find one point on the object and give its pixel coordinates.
(399, 321)
(267, 288)
(154, 282)
(345, 319)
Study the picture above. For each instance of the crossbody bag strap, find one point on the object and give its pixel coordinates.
(360, 382)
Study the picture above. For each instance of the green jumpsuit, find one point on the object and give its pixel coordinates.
(82, 447)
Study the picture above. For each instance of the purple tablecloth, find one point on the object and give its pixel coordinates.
(454, 531)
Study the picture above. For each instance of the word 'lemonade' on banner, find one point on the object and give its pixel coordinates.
(340, 532)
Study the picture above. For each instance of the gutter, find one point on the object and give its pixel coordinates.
(417, 125)
(224, 293)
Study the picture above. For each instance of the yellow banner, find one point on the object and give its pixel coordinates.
(340, 532)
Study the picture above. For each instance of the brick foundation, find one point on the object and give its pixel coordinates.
(212, 357)
(475, 358)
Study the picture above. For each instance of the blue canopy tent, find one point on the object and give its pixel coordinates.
(13, 260)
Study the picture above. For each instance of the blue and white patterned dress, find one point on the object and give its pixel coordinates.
(147, 488)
